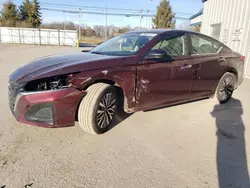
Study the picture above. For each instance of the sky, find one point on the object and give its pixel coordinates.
(184, 8)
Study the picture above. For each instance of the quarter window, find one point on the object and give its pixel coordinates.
(173, 45)
(204, 45)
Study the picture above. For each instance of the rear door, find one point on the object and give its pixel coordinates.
(205, 56)
(164, 81)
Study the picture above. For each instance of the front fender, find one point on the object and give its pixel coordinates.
(124, 77)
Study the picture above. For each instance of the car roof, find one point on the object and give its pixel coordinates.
(159, 31)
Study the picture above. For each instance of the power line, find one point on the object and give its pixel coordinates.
(58, 5)
(94, 7)
(74, 11)
(94, 12)
(108, 8)
(104, 13)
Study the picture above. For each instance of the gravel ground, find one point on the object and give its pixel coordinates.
(193, 145)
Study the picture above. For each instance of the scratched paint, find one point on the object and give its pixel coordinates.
(88, 79)
(105, 72)
(144, 81)
(118, 77)
(144, 85)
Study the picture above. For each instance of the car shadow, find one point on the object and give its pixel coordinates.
(231, 152)
(173, 105)
(120, 117)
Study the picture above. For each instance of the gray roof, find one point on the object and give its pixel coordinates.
(197, 14)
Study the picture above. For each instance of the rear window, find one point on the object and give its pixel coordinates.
(203, 45)
(173, 44)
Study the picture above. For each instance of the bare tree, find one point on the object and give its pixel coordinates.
(184, 26)
(59, 25)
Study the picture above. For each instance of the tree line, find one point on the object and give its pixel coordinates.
(27, 14)
(86, 30)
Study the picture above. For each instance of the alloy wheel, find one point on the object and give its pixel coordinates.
(226, 88)
(106, 110)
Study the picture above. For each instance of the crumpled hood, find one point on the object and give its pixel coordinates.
(59, 64)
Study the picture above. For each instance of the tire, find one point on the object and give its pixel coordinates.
(98, 108)
(225, 88)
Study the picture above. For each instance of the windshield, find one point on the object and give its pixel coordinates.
(125, 44)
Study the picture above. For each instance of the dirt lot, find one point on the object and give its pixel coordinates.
(176, 147)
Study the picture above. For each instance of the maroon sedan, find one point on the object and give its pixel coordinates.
(135, 71)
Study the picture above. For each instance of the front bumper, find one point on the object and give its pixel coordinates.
(58, 106)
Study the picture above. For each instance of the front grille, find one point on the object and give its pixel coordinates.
(14, 89)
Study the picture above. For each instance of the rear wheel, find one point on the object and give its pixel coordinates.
(225, 87)
(98, 108)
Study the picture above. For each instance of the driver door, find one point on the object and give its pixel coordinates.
(165, 81)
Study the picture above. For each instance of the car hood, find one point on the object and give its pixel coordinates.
(61, 64)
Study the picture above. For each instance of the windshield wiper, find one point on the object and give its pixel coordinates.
(85, 51)
(96, 53)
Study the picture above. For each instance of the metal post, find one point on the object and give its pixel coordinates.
(106, 18)
(34, 38)
(19, 36)
(11, 36)
(58, 37)
(39, 33)
(49, 37)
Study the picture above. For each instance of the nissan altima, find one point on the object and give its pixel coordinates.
(135, 71)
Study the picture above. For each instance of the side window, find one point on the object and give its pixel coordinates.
(202, 45)
(173, 45)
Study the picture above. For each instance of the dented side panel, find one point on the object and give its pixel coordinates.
(123, 76)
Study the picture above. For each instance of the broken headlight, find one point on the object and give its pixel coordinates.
(52, 83)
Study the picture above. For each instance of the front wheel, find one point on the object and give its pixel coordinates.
(225, 87)
(98, 108)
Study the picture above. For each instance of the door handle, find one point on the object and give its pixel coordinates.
(186, 67)
(221, 59)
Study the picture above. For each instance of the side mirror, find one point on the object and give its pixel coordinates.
(157, 55)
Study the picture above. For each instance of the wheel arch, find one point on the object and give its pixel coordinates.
(122, 78)
(119, 89)
(234, 71)
(228, 70)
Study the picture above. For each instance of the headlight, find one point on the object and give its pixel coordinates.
(52, 83)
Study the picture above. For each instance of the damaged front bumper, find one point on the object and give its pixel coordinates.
(54, 108)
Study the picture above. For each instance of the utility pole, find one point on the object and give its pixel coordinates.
(79, 29)
(106, 18)
(64, 19)
(147, 21)
(140, 18)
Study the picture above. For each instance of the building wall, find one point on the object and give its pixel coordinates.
(234, 17)
(196, 20)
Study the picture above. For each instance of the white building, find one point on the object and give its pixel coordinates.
(229, 22)
(196, 19)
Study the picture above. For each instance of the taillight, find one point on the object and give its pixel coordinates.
(243, 58)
